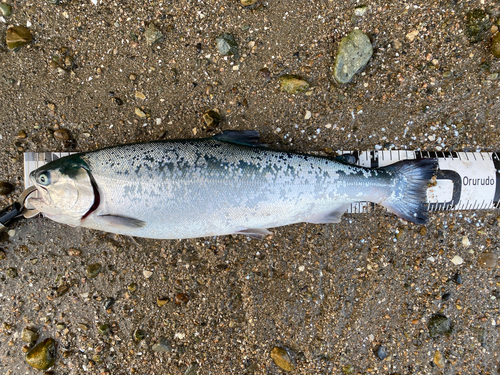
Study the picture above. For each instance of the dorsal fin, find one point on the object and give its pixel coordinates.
(240, 137)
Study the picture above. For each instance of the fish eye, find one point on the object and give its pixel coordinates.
(44, 178)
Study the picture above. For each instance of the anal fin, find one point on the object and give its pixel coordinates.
(333, 216)
(258, 233)
(119, 221)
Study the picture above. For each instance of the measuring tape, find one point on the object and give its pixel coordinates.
(465, 180)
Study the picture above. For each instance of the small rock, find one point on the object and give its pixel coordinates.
(247, 3)
(51, 106)
(495, 46)
(181, 298)
(132, 77)
(5, 9)
(104, 329)
(412, 35)
(42, 356)
(226, 44)
(60, 326)
(11, 272)
(281, 358)
(212, 119)
(293, 84)
(354, 52)
(18, 36)
(147, 274)
(140, 95)
(162, 345)
(139, 335)
(457, 260)
(62, 290)
(29, 335)
(74, 252)
(84, 327)
(22, 134)
(438, 325)
(153, 35)
(161, 301)
(6, 188)
(438, 359)
(381, 352)
(3, 254)
(477, 22)
(457, 278)
(265, 73)
(487, 260)
(446, 296)
(110, 301)
(62, 134)
(132, 287)
(348, 369)
(360, 11)
(465, 241)
(93, 270)
(308, 115)
(139, 112)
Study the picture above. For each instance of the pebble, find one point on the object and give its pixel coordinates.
(162, 345)
(74, 252)
(3, 254)
(104, 329)
(381, 352)
(147, 274)
(132, 287)
(360, 11)
(438, 359)
(93, 270)
(161, 301)
(412, 35)
(62, 134)
(11, 272)
(181, 298)
(132, 77)
(281, 358)
(5, 9)
(465, 241)
(212, 119)
(153, 35)
(495, 46)
(457, 260)
(477, 22)
(354, 52)
(139, 112)
(6, 188)
(140, 95)
(18, 36)
(446, 296)
(29, 335)
(42, 356)
(247, 3)
(293, 84)
(139, 334)
(265, 73)
(22, 134)
(438, 325)
(308, 115)
(62, 290)
(457, 278)
(226, 44)
(110, 301)
(487, 260)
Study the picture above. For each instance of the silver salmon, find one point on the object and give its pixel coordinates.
(227, 184)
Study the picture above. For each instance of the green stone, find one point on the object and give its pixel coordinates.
(153, 35)
(11, 272)
(354, 52)
(17, 36)
(43, 354)
(226, 44)
(293, 84)
(93, 270)
(139, 335)
(29, 335)
(438, 325)
(132, 287)
(477, 22)
(495, 46)
(5, 9)
(104, 329)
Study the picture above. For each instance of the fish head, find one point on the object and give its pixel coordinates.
(65, 189)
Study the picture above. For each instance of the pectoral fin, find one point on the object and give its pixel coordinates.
(259, 233)
(118, 221)
(333, 216)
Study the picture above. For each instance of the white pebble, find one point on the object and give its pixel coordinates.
(465, 241)
(308, 115)
(457, 260)
(147, 274)
(302, 268)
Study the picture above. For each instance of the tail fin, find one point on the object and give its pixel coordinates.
(410, 191)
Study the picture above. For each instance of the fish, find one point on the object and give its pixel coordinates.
(227, 184)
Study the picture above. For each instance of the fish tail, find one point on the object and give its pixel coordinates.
(409, 197)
